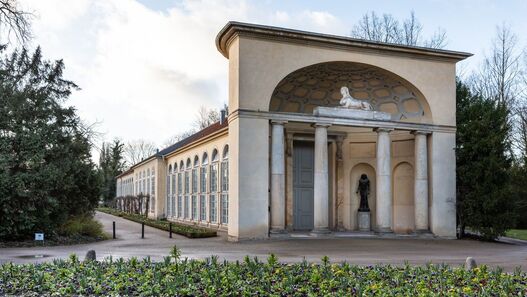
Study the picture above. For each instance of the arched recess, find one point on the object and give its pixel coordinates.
(319, 85)
(356, 172)
(403, 198)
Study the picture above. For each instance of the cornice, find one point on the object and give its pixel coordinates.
(233, 29)
(364, 123)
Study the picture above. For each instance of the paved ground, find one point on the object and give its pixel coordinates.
(354, 250)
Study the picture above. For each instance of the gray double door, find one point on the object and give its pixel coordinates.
(303, 182)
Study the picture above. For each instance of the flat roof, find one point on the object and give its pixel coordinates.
(232, 29)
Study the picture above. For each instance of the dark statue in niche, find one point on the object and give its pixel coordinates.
(364, 189)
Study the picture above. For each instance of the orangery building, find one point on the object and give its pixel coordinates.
(325, 134)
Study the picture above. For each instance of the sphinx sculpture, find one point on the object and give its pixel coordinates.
(351, 103)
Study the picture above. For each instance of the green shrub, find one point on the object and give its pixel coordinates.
(84, 225)
(251, 277)
(46, 168)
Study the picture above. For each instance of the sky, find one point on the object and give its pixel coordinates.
(145, 66)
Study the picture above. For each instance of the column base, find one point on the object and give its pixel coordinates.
(383, 230)
(320, 232)
(277, 231)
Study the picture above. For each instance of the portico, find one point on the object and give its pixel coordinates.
(326, 205)
(297, 153)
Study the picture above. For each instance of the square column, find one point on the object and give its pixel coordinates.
(384, 202)
(443, 184)
(277, 177)
(321, 184)
(421, 181)
(248, 178)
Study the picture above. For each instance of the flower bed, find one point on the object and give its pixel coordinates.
(185, 230)
(251, 277)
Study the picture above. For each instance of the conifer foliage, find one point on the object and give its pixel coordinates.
(111, 164)
(46, 172)
(484, 200)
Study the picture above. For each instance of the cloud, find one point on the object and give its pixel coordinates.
(145, 72)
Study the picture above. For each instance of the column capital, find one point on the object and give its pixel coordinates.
(278, 122)
(321, 125)
(383, 129)
(420, 132)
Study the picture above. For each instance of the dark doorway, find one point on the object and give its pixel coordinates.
(303, 182)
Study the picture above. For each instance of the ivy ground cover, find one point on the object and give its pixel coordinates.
(251, 277)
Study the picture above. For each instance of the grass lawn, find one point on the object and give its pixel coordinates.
(517, 233)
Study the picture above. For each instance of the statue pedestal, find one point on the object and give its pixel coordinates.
(346, 113)
(364, 220)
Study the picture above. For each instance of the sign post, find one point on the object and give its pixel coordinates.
(39, 237)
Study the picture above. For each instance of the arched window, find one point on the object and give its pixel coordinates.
(186, 207)
(225, 186)
(173, 191)
(169, 192)
(152, 189)
(213, 188)
(215, 156)
(205, 159)
(194, 197)
(226, 152)
(180, 190)
(203, 188)
(147, 182)
(136, 184)
(143, 182)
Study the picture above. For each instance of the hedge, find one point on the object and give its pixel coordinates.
(185, 230)
(251, 277)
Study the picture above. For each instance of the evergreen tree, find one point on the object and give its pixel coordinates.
(46, 172)
(111, 164)
(484, 200)
(519, 180)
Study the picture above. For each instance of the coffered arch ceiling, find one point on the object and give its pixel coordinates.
(319, 85)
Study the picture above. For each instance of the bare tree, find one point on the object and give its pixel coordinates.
(178, 137)
(14, 22)
(520, 137)
(205, 117)
(500, 74)
(412, 29)
(438, 40)
(501, 77)
(373, 27)
(137, 150)
(390, 30)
